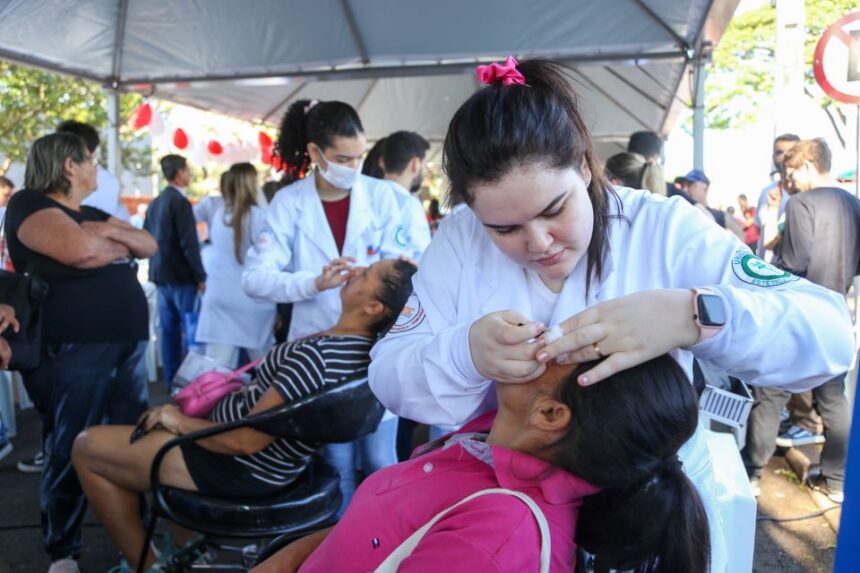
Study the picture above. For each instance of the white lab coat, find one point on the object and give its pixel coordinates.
(297, 243)
(414, 234)
(106, 195)
(795, 335)
(227, 315)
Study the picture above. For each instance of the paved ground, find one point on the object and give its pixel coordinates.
(794, 547)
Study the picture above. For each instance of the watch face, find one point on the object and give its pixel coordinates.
(711, 311)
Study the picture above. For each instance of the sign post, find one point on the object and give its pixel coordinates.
(837, 70)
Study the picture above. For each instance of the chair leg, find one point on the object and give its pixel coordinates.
(150, 530)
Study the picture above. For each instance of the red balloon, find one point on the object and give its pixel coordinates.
(180, 138)
(215, 148)
(277, 163)
(142, 116)
(266, 155)
(265, 140)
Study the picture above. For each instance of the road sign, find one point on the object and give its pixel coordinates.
(837, 59)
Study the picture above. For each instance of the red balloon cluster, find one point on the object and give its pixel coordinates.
(215, 148)
(180, 138)
(142, 116)
(267, 155)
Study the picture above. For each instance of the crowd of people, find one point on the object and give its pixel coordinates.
(546, 332)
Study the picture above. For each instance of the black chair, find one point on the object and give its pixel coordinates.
(342, 413)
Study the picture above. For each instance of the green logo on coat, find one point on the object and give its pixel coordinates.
(752, 270)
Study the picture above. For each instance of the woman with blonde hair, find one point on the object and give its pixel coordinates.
(634, 171)
(229, 319)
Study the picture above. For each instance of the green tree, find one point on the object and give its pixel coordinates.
(740, 77)
(33, 102)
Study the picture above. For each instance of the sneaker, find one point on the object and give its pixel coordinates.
(833, 492)
(755, 486)
(64, 565)
(34, 466)
(797, 436)
(124, 567)
(5, 448)
(784, 421)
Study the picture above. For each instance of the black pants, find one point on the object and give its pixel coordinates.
(74, 387)
(763, 428)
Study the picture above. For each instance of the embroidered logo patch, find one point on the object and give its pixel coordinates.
(400, 236)
(265, 241)
(411, 316)
(752, 270)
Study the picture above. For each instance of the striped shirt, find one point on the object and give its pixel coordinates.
(295, 369)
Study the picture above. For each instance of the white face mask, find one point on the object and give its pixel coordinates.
(340, 176)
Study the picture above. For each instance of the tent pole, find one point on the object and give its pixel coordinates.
(114, 164)
(699, 112)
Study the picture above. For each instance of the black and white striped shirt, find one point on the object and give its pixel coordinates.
(296, 369)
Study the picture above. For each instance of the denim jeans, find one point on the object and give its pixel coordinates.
(74, 387)
(374, 452)
(174, 302)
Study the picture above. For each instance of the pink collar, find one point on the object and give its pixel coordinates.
(518, 471)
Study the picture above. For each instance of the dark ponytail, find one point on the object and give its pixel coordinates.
(312, 121)
(624, 437)
(501, 127)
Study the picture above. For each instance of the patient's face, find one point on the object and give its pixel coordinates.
(518, 398)
(365, 282)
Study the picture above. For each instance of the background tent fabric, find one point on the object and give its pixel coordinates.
(404, 64)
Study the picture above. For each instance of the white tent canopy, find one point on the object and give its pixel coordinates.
(404, 64)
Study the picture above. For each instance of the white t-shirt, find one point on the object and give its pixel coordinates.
(543, 300)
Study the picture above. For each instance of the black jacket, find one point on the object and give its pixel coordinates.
(171, 221)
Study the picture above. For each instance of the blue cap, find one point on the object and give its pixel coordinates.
(697, 175)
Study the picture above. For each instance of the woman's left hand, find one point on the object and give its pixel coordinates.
(168, 417)
(7, 318)
(628, 331)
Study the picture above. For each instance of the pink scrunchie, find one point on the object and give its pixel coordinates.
(506, 73)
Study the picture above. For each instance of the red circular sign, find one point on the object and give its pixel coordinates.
(837, 60)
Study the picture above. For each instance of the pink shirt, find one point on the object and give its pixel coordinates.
(491, 533)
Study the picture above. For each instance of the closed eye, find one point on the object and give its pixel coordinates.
(548, 213)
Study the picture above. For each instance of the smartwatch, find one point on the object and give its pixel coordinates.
(709, 313)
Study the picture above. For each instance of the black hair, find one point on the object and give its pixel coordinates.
(434, 209)
(787, 137)
(6, 182)
(310, 121)
(645, 143)
(270, 188)
(372, 166)
(395, 290)
(400, 148)
(83, 130)
(501, 127)
(171, 165)
(624, 437)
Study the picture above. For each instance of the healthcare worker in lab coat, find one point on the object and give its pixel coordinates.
(552, 263)
(403, 154)
(229, 320)
(317, 229)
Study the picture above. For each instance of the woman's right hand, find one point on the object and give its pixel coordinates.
(335, 273)
(500, 347)
(7, 318)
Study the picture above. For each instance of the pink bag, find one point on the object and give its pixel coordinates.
(198, 398)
